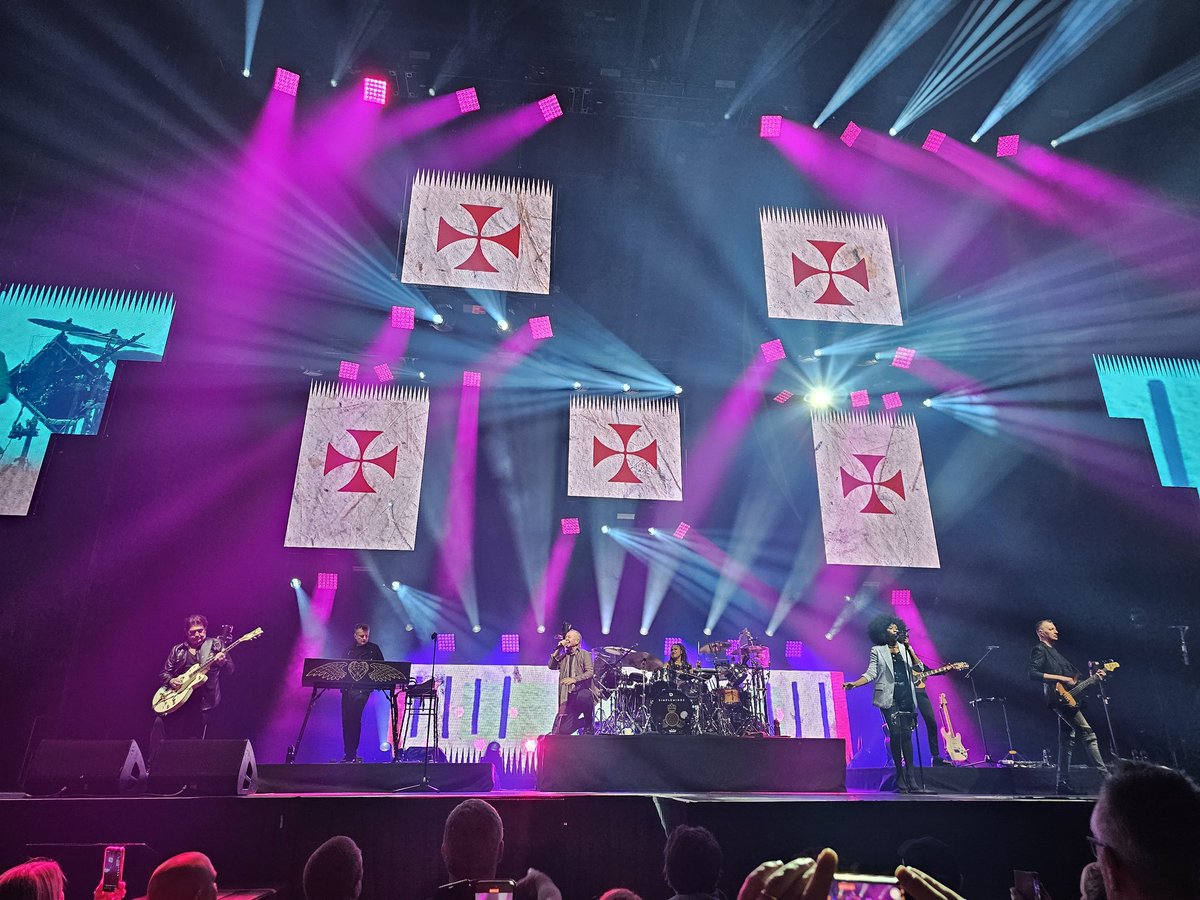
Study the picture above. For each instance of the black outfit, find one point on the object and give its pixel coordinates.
(925, 707)
(354, 702)
(190, 721)
(1045, 660)
(901, 720)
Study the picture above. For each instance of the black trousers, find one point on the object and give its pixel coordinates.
(1070, 729)
(189, 722)
(353, 704)
(931, 723)
(901, 722)
(578, 713)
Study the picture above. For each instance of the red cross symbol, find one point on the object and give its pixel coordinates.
(828, 249)
(871, 463)
(358, 483)
(477, 261)
(601, 452)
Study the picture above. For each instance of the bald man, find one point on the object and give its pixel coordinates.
(576, 704)
(188, 876)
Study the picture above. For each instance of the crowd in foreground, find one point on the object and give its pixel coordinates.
(1145, 834)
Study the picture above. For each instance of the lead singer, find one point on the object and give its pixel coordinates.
(576, 703)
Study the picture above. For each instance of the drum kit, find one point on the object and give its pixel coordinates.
(637, 693)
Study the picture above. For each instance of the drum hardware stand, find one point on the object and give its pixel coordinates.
(423, 784)
(975, 703)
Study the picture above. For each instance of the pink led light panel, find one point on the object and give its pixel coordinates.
(850, 135)
(1008, 144)
(549, 108)
(570, 526)
(384, 373)
(783, 396)
(539, 327)
(404, 317)
(859, 399)
(327, 581)
(468, 100)
(793, 649)
(901, 597)
(903, 357)
(375, 90)
(668, 644)
(348, 370)
(682, 530)
(773, 350)
(287, 82)
(933, 141)
(445, 643)
(510, 643)
(770, 126)
(892, 400)
(472, 379)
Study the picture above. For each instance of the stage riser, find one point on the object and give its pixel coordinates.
(382, 778)
(992, 780)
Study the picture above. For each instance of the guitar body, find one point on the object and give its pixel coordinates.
(1064, 700)
(166, 700)
(951, 738)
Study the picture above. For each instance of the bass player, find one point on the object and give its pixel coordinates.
(1048, 666)
(191, 720)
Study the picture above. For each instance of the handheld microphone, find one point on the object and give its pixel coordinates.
(433, 637)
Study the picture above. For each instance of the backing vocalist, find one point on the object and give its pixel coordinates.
(576, 703)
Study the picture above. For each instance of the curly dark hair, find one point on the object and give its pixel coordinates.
(878, 626)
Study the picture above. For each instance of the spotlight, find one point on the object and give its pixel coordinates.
(541, 629)
(468, 100)
(404, 317)
(682, 530)
(327, 581)
(727, 116)
(286, 82)
(445, 643)
(385, 746)
(384, 373)
(1054, 143)
(652, 530)
(708, 632)
(927, 402)
(348, 371)
(472, 379)
(933, 141)
(420, 376)
(502, 325)
(295, 582)
(245, 73)
(903, 357)
(395, 585)
(644, 632)
(539, 327)
(891, 131)
(476, 628)
(859, 399)
(772, 350)
(892, 400)
(818, 352)
(530, 745)
(974, 139)
(783, 396)
(1008, 144)
(901, 597)
(577, 386)
(375, 90)
(850, 135)
(820, 397)
(570, 526)
(549, 108)
(604, 529)
(333, 82)
(605, 630)
(793, 649)
(770, 126)
(438, 319)
(678, 389)
(408, 626)
(626, 388)
(829, 635)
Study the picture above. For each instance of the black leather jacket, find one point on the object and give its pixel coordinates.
(179, 661)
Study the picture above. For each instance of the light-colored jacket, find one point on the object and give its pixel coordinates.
(577, 665)
(883, 674)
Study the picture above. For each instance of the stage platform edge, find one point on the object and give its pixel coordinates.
(373, 778)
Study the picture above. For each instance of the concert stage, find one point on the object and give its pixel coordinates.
(1003, 781)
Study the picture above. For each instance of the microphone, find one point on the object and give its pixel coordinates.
(993, 646)
(433, 637)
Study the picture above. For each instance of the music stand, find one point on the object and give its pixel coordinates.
(423, 784)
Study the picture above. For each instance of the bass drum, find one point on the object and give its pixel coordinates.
(671, 712)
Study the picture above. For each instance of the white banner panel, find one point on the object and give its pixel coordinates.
(479, 231)
(625, 448)
(874, 500)
(829, 267)
(358, 482)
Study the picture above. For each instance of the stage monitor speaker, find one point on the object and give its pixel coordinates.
(86, 767)
(214, 768)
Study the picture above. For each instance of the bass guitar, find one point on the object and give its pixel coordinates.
(920, 677)
(951, 738)
(167, 699)
(1063, 699)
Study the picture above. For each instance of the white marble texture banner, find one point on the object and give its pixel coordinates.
(625, 448)
(479, 231)
(358, 482)
(829, 267)
(874, 500)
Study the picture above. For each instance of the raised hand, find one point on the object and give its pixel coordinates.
(800, 879)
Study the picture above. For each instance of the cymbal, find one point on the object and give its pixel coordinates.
(644, 660)
(67, 327)
(121, 353)
(612, 652)
(714, 647)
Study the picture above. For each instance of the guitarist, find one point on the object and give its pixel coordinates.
(1048, 666)
(191, 720)
(924, 705)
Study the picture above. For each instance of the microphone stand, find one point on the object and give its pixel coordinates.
(423, 784)
(1112, 736)
(975, 704)
(912, 686)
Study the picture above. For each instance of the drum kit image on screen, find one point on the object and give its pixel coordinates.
(636, 692)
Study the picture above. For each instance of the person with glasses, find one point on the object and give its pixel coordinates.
(192, 718)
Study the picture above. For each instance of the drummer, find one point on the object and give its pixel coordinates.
(677, 660)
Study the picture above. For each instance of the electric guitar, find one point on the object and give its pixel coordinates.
(1062, 698)
(167, 699)
(919, 677)
(951, 738)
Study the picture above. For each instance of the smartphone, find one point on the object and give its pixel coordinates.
(1028, 885)
(498, 889)
(864, 887)
(113, 869)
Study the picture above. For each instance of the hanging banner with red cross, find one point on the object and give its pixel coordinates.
(358, 482)
(626, 448)
(829, 267)
(479, 231)
(874, 501)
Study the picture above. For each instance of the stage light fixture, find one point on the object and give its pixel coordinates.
(783, 396)
(652, 530)
(408, 626)
(385, 746)
(404, 317)
(468, 100)
(851, 133)
(570, 526)
(770, 126)
(375, 90)
(438, 319)
(1054, 143)
(530, 745)
(420, 376)
(892, 400)
(773, 350)
(476, 628)
(333, 82)
(903, 357)
(927, 402)
(820, 397)
(472, 379)
(974, 139)
(287, 82)
(901, 597)
(540, 328)
(1008, 144)
(577, 385)
(682, 530)
(859, 399)
(933, 140)
(643, 632)
(541, 629)
(818, 352)
(549, 108)
(708, 632)
(502, 326)
(395, 585)
(829, 635)
(604, 529)
(348, 371)
(678, 389)
(295, 582)
(245, 73)
(891, 131)
(793, 649)
(327, 581)
(626, 387)
(445, 643)
(384, 372)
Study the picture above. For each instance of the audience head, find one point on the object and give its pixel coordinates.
(934, 858)
(334, 871)
(619, 894)
(188, 876)
(1145, 831)
(473, 841)
(1091, 882)
(692, 860)
(38, 879)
